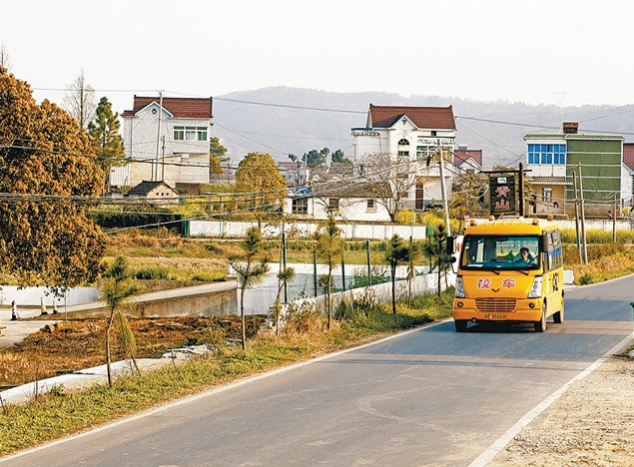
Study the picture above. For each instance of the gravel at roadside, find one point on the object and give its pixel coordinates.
(591, 424)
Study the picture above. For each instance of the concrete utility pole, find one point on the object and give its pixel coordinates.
(443, 190)
(158, 139)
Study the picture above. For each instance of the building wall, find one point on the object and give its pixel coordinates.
(601, 165)
(352, 209)
(140, 137)
(369, 141)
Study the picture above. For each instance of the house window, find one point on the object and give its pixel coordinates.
(190, 133)
(423, 151)
(300, 205)
(333, 204)
(403, 142)
(403, 153)
(371, 205)
(548, 194)
(547, 154)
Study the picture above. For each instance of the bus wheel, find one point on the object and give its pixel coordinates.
(461, 325)
(559, 316)
(540, 326)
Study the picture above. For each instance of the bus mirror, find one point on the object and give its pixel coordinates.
(543, 242)
(453, 259)
(451, 245)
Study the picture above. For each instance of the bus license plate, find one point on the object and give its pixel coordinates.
(495, 316)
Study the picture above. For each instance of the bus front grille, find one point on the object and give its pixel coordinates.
(495, 305)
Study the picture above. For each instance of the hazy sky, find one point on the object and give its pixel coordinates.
(550, 52)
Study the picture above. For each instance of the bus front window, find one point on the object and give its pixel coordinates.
(500, 252)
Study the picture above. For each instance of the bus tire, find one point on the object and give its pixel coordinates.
(461, 325)
(540, 326)
(559, 316)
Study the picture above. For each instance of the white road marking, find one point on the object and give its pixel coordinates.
(484, 458)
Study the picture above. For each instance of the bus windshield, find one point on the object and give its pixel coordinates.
(500, 252)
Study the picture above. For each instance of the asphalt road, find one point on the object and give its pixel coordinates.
(429, 397)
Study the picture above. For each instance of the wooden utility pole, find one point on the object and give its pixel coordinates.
(583, 220)
(614, 220)
(521, 190)
(577, 217)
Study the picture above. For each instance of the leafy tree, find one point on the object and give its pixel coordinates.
(248, 272)
(435, 248)
(315, 158)
(397, 252)
(4, 57)
(118, 289)
(80, 100)
(259, 176)
(104, 136)
(45, 159)
(389, 179)
(330, 251)
(467, 194)
(339, 156)
(216, 156)
(293, 157)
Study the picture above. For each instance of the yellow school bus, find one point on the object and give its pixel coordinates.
(510, 270)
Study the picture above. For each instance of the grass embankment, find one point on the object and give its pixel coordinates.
(64, 411)
(606, 259)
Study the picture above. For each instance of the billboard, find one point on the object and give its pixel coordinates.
(502, 188)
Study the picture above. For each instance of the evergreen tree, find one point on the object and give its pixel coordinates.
(397, 252)
(329, 250)
(216, 156)
(104, 136)
(248, 271)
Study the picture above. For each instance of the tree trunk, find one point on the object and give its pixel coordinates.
(328, 307)
(393, 290)
(244, 322)
(108, 359)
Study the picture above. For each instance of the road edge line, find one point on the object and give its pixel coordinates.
(483, 459)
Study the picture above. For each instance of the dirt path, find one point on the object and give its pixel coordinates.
(592, 424)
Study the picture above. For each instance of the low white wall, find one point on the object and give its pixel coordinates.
(427, 283)
(32, 296)
(350, 231)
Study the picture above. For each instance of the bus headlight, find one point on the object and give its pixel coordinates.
(459, 287)
(536, 288)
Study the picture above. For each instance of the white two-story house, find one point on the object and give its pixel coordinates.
(166, 139)
(414, 134)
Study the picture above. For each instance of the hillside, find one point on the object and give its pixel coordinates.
(294, 121)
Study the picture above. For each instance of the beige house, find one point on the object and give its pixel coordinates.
(156, 193)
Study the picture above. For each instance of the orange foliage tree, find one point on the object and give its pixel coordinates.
(48, 179)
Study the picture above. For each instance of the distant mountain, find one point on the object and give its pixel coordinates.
(282, 121)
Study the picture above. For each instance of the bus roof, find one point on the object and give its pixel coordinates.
(510, 226)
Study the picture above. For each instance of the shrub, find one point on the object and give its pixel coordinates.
(209, 276)
(152, 272)
(405, 217)
(586, 279)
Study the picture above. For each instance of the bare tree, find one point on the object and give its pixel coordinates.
(80, 100)
(5, 61)
(390, 179)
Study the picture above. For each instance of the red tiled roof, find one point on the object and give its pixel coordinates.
(628, 155)
(462, 155)
(434, 118)
(180, 107)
